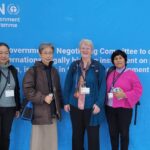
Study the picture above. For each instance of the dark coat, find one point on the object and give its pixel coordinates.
(41, 110)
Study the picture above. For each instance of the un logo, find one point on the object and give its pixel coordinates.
(13, 9)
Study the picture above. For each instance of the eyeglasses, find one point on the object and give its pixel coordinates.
(47, 53)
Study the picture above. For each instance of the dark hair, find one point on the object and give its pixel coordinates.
(44, 45)
(6, 45)
(119, 52)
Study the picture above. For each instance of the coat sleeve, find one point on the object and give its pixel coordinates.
(29, 89)
(17, 87)
(102, 87)
(133, 96)
(68, 84)
(17, 93)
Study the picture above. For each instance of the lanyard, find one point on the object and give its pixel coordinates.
(76, 80)
(7, 81)
(83, 73)
(117, 77)
(6, 77)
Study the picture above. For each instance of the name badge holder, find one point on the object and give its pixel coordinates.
(112, 89)
(84, 90)
(110, 97)
(9, 92)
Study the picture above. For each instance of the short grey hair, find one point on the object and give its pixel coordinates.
(86, 41)
(45, 45)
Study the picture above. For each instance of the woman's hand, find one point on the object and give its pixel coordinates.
(120, 94)
(48, 99)
(96, 109)
(67, 108)
(17, 114)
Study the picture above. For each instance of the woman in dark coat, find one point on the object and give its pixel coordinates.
(9, 96)
(41, 85)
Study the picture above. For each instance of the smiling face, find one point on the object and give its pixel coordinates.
(46, 55)
(119, 61)
(85, 50)
(4, 55)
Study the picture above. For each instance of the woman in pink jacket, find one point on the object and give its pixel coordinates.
(123, 92)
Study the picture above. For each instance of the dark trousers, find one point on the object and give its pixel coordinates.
(119, 120)
(6, 119)
(80, 121)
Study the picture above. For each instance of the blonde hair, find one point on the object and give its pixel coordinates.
(87, 42)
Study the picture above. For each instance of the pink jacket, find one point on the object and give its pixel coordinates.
(130, 84)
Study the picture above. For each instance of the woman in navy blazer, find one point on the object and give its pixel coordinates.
(84, 95)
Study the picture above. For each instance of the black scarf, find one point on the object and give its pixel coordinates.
(50, 85)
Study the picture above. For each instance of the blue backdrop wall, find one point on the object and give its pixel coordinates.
(117, 24)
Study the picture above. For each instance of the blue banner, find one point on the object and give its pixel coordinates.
(111, 25)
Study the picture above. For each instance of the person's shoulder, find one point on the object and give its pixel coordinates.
(98, 64)
(74, 64)
(111, 69)
(130, 71)
(131, 74)
(31, 70)
(12, 67)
